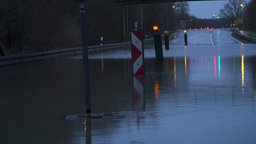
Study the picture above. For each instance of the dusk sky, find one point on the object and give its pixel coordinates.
(205, 9)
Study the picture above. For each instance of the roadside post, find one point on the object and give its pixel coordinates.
(185, 38)
(1, 50)
(85, 58)
(101, 40)
(137, 51)
(166, 40)
(158, 43)
(138, 71)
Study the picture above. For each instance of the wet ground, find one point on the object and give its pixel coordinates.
(202, 93)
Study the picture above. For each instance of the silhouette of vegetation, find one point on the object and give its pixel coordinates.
(40, 25)
(250, 16)
(37, 25)
(233, 11)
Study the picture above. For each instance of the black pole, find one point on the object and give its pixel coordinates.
(166, 41)
(88, 130)
(158, 46)
(85, 58)
(185, 38)
(1, 50)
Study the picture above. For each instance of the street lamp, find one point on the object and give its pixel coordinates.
(242, 14)
(242, 5)
(156, 28)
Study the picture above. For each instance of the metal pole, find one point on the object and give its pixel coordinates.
(127, 19)
(124, 22)
(158, 46)
(166, 41)
(141, 16)
(85, 58)
(185, 38)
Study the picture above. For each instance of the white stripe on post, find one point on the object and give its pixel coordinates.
(137, 53)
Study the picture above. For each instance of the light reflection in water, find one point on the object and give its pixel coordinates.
(175, 72)
(157, 89)
(219, 66)
(185, 65)
(88, 130)
(242, 71)
(214, 66)
(138, 96)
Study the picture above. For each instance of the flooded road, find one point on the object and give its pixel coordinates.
(202, 93)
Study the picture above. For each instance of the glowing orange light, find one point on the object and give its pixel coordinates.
(155, 28)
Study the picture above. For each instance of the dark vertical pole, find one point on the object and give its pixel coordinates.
(158, 46)
(1, 50)
(166, 41)
(124, 28)
(85, 58)
(88, 132)
(185, 38)
(141, 16)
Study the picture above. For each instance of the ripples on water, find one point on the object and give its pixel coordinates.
(186, 99)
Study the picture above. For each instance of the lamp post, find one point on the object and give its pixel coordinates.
(158, 44)
(185, 38)
(242, 15)
(166, 39)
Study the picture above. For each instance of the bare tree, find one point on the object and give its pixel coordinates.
(182, 13)
(233, 10)
(38, 25)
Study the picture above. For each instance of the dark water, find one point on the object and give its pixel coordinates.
(184, 100)
(200, 94)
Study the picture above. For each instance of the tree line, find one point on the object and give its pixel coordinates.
(40, 25)
(37, 25)
(250, 16)
(240, 13)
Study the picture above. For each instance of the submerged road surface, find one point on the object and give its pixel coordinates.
(203, 93)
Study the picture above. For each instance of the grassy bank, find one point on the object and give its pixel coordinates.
(244, 39)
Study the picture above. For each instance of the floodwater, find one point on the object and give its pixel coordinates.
(202, 93)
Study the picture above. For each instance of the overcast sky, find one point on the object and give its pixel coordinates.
(205, 9)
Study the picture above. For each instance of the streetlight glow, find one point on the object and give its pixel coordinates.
(155, 28)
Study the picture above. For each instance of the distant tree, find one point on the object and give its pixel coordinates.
(38, 25)
(233, 10)
(104, 19)
(11, 24)
(158, 14)
(250, 16)
(148, 15)
(182, 13)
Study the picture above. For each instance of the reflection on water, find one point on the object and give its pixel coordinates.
(185, 65)
(88, 130)
(242, 71)
(180, 100)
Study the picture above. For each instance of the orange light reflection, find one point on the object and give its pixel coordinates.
(157, 89)
(185, 65)
(242, 71)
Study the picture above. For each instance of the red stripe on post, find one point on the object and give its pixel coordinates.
(137, 53)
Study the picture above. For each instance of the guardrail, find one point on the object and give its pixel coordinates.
(25, 58)
(244, 36)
